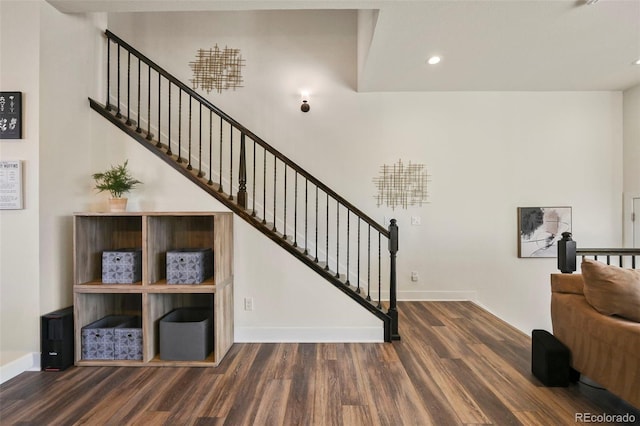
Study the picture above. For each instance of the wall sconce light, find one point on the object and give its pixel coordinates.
(305, 107)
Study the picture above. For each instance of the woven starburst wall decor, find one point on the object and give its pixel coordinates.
(401, 185)
(216, 69)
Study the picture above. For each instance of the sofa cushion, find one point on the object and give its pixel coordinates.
(612, 290)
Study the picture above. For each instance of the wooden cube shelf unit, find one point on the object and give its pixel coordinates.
(151, 298)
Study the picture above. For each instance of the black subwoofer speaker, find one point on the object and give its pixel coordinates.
(550, 359)
(56, 340)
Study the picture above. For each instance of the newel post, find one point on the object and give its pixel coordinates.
(566, 254)
(393, 309)
(242, 175)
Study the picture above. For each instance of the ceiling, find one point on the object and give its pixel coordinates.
(485, 45)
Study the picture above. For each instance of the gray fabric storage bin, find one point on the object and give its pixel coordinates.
(189, 266)
(128, 340)
(186, 334)
(122, 266)
(98, 338)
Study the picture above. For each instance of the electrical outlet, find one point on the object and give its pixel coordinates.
(415, 220)
(248, 303)
(414, 276)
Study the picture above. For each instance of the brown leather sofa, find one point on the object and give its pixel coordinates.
(604, 348)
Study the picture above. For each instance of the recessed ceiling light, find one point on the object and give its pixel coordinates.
(637, 62)
(434, 60)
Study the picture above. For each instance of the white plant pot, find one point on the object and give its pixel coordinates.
(117, 204)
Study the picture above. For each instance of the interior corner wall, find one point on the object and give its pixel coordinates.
(19, 233)
(631, 155)
(487, 153)
(49, 56)
(70, 64)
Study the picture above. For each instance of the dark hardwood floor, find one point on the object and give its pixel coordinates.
(456, 364)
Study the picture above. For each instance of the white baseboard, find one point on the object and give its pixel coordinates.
(341, 334)
(438, 295)
(308, 334)
(20, 364)
(425, 295)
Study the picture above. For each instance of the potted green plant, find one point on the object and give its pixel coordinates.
(118, 181)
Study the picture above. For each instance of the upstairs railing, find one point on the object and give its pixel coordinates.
(253, 178)
(568, 253)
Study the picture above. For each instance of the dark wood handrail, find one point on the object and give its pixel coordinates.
(248, 133)
(608, 251)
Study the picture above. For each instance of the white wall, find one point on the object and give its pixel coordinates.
(19, 233)
(631, 157)
(51, 58)
(487, 153)
(70, 47)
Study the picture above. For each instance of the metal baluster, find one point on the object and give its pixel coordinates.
(316, 259)
(149, 135)
(379, 272)
(264, 187)
(253, 184)
(369, 265)
(200, 174)
(118, 114)
(275, 186)
(179, 160)
(220, 172)
(348, 245)
(169, 123)
(326, 268)
(337, 239)
(108, 103)
(295, 212)
(189, 147)
(242, 174)
(210, 181)
(284, 225)
(128, 122)
(306, 216)
(159, 144)
(358, 268)
(230, 162)
(138, 129)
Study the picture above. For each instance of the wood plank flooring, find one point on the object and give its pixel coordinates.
(456, 365)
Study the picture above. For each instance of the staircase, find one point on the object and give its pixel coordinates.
(265, 188)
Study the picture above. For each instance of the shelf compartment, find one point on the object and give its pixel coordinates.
(95, 234)
(90, 307)
(176, 232)
(158, 305)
